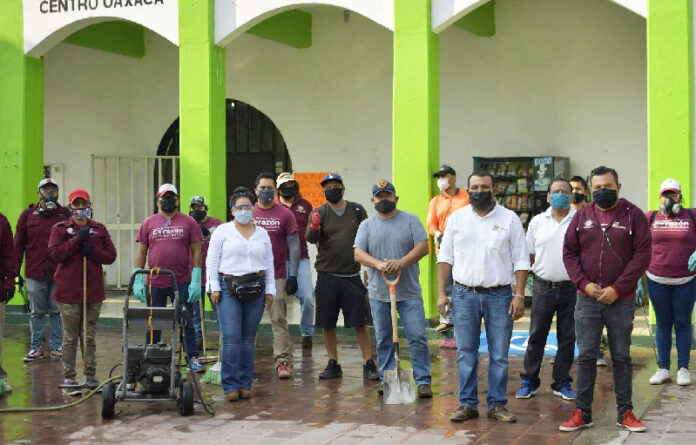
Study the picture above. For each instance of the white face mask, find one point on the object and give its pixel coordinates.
(443, 183)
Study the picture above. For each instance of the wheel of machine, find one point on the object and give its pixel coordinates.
(108, 400)
(186, 401)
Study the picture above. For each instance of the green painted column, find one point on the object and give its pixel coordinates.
(201, 107)
(416, 132)
(21, 117)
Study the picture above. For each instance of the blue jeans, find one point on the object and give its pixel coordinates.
(40, 294)
(238, 324)
(159, 299)
(467, 309)
(673, 307)
(413, 319)
(305, 293)
(197, 316)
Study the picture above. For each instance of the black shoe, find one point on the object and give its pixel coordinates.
(333, 371)
(370, 371)
(307, 342)
(424, 391)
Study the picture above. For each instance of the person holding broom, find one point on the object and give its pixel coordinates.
(80, 246)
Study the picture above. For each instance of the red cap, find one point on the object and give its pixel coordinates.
(78, 193)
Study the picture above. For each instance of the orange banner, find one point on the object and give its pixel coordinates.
(310, 187)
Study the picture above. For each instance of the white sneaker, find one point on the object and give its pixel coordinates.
(683, 377)
(660, 377)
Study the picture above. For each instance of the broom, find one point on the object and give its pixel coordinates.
(212, 376)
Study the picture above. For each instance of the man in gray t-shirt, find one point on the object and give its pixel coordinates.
(393, 242)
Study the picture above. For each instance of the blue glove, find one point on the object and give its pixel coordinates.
(692, 262)
(640, 293)
(139, 286)
(195, 285)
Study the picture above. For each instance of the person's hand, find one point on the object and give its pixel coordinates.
(392, 266)
(291, 285)
(139, 286)
(692, 262)
(205, 230)
(516, 308)
(593, 290)
(269, 301)
(316, 220)
(194, 289)
(443, 305)
(83, 234)
(215, 297)
(86, 249)
(437, 238)
(382, 266)
(640, 293)
(608, 295)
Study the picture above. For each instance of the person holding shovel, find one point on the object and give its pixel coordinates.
(80, 246)
(392, 242)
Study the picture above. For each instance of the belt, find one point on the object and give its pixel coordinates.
(481, 289)
(555, 284)
(249, 275)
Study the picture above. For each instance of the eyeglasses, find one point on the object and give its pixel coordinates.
(244, 207)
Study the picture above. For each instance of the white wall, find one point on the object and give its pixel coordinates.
(559, 77)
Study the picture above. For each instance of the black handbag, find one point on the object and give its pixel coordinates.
(246, 288)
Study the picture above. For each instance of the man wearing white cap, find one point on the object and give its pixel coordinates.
(171, 240)
(670, 279)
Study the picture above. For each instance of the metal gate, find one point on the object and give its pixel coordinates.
(123, 194)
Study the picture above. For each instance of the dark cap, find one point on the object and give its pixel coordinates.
(383, 186)
(444, 171)
(198, 200)
(332, 177)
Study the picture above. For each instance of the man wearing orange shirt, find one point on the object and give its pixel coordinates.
(441, 207)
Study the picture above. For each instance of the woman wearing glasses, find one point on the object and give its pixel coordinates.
(240, 280)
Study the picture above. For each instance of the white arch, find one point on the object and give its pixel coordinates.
(44, 30)
(446, 12)
(234, 17)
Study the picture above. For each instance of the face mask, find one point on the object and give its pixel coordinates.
(168, 205)
(670, 207)
(605, 198)
(578, 198)
(385, 206)
(560, 200)
(288, 192)
(266, 195)
(481, 200)
(198, 215)
(82, 214)
(243, 216)
(442, 184)
(333, 195)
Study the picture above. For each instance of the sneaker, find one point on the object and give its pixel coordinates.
(576, 422)
(683, 377)
(91, 382)
(526, 391)
(425, 391)
(565, 392)
(601, 361)
(70, 382)
(195, 365)
(450, 343)
(463, 413)
(629, 421)
(283, 370)
(307, 342)
(443, 327)
(333, 371)
(370, 371)
(57, 353)
(501, 414)
(661, 376)
(7, 387)
(34, 354)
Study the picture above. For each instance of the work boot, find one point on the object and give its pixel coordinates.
(463, 413)
(90, 383)
(501, 414)
(307, 342)
(370, 371)
(284, 370)
(424, 391)
(333, 371)
(232, 396)
(245, 393)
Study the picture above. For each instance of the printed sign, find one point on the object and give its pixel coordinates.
(310, 187)
(518, 343)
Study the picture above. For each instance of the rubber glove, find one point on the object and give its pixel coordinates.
(437, 238)
(692, 262)
(195, 285)
(640, 293)
(138, 286)
(291, 285)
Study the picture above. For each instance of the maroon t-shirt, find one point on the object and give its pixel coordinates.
(301, 210)
(279, 222)
(673, 242)
(210, 224)
(169, 246)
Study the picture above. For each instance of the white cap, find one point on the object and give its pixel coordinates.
(164, 188)
(670, 185)
(47, 181)
(283, 178)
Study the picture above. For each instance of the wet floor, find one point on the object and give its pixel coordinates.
(300, 410)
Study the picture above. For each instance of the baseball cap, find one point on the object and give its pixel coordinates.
(283, 178)
(78, 193)
(164, 188)
(383, 186)
(47, 181)
(198, 200)
(332, 177)
(444, 170)
(670, 185)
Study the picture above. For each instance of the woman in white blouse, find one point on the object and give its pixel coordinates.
(240, 280)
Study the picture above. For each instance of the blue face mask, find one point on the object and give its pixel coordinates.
(82, 214)
(560, 200)
(243, 216)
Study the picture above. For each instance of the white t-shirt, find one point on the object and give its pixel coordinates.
(545, 238)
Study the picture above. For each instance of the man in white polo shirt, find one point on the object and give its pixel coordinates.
(554, 293)
(482, 246)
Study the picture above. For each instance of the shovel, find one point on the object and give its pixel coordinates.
(398, 383)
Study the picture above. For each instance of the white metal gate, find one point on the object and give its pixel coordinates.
(123, 195)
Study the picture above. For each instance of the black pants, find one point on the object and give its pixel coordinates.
(547, 301)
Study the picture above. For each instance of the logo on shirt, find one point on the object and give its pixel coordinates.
(618, 225)
(671, 225)
(588, 224)
(497, 228)
(167, 233)
(301, 209)
(270, 225)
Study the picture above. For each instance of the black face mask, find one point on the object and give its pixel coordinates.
(198, 215)
(481, 200)
(385, 206)
(605, 198)
(333, 195)
(288, 192)
(168, 205)
(266, 195)
(578, 198)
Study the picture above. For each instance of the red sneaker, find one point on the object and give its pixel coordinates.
(284, 370)
(576, 422)
(632, 424)
(449, 343)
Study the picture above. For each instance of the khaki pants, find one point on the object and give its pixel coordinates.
(281, 336)
(71, 314)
